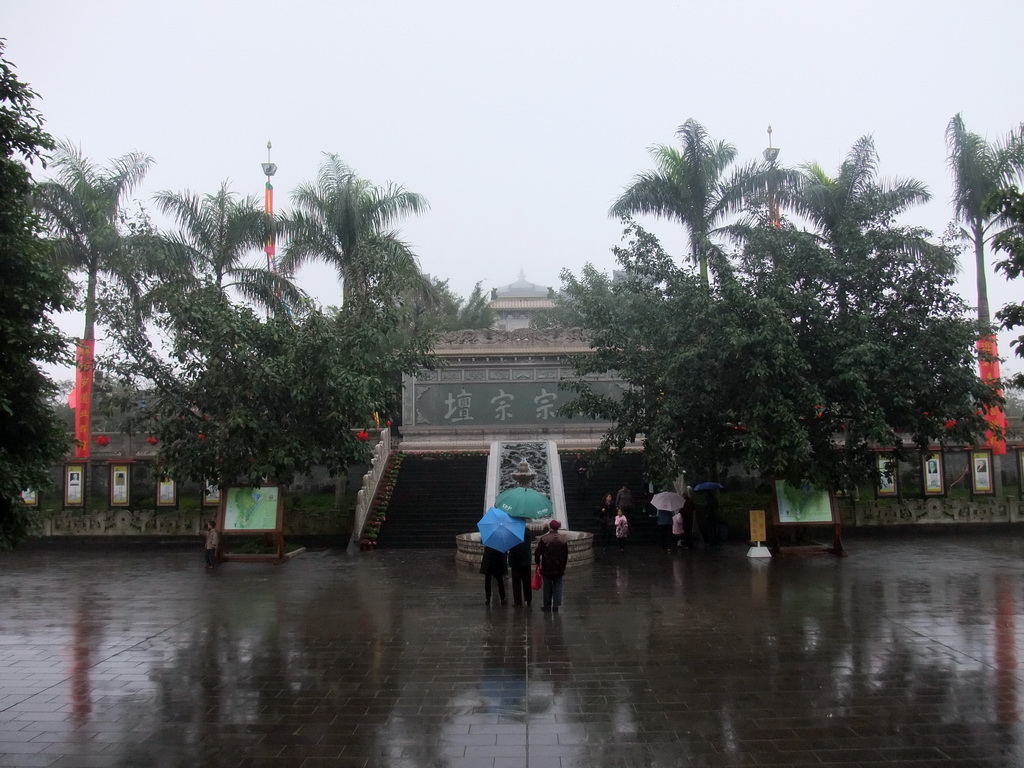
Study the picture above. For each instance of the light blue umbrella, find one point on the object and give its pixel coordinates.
(499, 531)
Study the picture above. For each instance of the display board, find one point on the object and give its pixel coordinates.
(804, 505)
(251, 510)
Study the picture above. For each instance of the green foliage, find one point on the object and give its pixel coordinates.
(346, 221)
(235, 397)
(31, 288)
(689, 185)
(1007, 206)
(979, 170)
(769, 367)
(217, 234)
(84, 210)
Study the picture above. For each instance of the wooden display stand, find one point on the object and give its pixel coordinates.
(793, 509)
(247, 510)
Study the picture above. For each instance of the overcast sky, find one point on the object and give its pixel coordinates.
(519, 122)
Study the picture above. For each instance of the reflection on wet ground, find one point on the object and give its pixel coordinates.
(906, 652)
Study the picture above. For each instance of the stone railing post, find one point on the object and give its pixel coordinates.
(370, 484)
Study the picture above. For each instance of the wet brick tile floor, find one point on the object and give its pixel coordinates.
(908, 652)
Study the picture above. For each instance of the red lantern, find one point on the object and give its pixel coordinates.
(102, 440)
(152, 440)
(362, 435)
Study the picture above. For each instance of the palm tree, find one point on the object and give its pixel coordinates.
(842, 207)
(217, 233)
(83, 207)
(689, 185)
(347, 221)
(979, 169)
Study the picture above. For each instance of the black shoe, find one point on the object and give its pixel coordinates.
(545, 607)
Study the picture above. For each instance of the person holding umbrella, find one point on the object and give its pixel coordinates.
(552, 554)
(519, 565)
(494, 566)
(498, 533)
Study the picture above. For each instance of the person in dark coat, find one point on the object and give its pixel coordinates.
(494, 565)
(553, 555)
(665, 529)
(520, 563)
(688, 510)
(624, 499)
(605, 517)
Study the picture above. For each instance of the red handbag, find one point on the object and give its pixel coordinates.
(538, 580)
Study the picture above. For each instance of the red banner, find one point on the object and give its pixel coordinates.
(84, 358)
(988, 367)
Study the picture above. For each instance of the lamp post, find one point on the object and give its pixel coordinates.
(771, 154)
(269, 169)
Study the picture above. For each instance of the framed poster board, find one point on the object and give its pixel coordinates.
(211, 494)
(1020, 471)
(805, 505)
(30, 497)
(981, 472)
(887, 474)
(74, 485)
(252, 510)
(120, 485)
(166, 493)
(933, 474)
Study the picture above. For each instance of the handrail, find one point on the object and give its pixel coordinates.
(371, 482)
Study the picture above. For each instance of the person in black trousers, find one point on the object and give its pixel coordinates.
(494, 566)
(520, 559)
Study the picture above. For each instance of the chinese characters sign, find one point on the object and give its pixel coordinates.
(495, 403)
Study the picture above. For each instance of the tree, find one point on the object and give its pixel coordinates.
(217, 233)
(979, 169)
(846, 209)
(689, 185)
(768, 369)
(31, 288)
(1007, 207)
(242, 399)
(346, 221)
(84, 208)
(439, 309)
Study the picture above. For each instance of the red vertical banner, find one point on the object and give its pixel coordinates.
(84, 359)
(271, 247)
(988, 367)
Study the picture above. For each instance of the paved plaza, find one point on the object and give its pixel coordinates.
(907, 652)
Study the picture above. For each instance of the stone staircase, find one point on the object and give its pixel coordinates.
(582, 503)
(436, 497)
(439, 496)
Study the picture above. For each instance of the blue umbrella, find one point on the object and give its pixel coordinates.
(500, 531)
(708, 487)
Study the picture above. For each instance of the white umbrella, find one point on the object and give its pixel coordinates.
(667, 500)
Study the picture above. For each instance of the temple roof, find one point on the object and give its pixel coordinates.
(522, 288)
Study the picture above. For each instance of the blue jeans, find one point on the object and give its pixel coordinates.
(552, 591)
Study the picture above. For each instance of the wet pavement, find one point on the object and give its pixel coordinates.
(907, 652)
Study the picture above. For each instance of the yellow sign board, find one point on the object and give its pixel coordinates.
(757, 529)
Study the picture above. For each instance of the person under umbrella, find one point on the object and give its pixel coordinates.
(494, 565)
(519, 565)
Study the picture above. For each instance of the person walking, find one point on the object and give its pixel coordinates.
(621, 529)
(687, 512)
(665, 529)
(494, 565)
(605, 519)
(212, 542)
(520, 565)
(624, 499)
(552, 554)
(677, 527)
